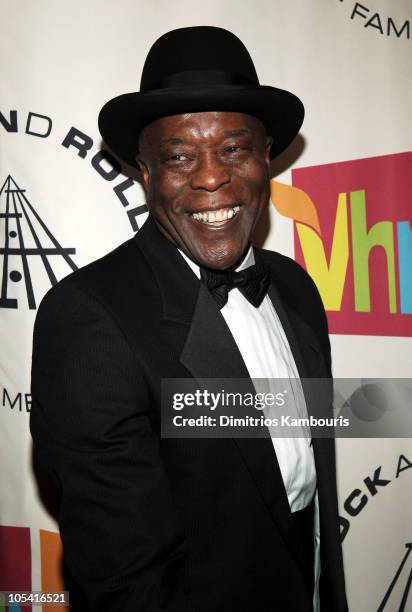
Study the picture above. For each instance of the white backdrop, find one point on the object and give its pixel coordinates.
(351, 65)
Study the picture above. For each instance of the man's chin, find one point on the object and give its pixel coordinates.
(223, 261)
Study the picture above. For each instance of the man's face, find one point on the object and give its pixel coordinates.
(207, 180)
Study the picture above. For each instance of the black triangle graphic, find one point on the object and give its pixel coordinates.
(405, 595)
(17, 209)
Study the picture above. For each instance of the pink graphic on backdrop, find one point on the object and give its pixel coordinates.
(15, 560)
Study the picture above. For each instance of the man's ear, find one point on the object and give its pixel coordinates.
(144, 169)
(269, 143)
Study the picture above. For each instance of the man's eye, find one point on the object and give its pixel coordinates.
(233, 149)
(178, 157)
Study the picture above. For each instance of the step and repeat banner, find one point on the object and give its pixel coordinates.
(341, 205)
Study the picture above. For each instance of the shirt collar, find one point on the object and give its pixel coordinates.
(248, 260)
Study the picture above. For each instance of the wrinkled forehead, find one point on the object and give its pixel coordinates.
(204, 127)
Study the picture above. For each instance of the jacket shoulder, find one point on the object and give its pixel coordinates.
(107, 279)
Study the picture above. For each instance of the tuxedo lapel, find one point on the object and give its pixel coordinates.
(210, 350)
(302, 340)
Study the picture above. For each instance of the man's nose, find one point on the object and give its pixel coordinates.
(210, 173)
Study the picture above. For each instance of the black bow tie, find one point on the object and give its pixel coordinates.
(252, 282)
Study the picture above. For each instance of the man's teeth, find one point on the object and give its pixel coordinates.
(217, 215)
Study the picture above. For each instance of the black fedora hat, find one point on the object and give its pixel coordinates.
(198, 69)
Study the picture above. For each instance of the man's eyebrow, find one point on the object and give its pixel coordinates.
(177, 141)
(180, 141)
(240, 132)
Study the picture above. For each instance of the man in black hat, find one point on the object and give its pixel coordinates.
(151, 523)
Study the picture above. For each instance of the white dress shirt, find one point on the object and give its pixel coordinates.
(262, 342)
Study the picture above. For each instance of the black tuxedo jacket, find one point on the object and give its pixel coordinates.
(147, 523)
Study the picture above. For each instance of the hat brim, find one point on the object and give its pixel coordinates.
(123, 118)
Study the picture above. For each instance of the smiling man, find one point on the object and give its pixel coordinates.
(207, 181)
(151, 523)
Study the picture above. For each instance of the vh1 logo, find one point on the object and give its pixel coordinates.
(353, 234)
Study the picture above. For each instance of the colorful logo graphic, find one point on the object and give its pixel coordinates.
(16, 566)
(353, 235)
(26, 235)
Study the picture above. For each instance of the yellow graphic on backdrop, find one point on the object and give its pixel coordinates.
(330, 278)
